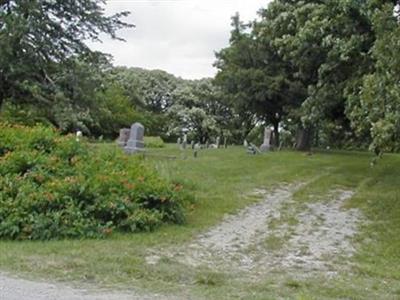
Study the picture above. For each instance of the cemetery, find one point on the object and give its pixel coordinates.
(300, 217)
(222, 150)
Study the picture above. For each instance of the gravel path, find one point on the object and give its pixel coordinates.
(318, 240)
(228, 243)
(20, 289)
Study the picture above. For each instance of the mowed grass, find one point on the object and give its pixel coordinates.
(221, 182)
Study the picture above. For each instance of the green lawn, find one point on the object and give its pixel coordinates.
(221, 181)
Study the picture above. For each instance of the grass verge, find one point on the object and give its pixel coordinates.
(221, 181)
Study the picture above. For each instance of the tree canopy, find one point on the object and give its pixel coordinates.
(40, 38)
(320, 64)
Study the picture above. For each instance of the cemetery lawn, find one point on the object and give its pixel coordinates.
(222, 182)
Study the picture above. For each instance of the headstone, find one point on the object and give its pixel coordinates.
(184, 143)
(123, 137)
(225, 142)
(245, 143)
(218, 141)
(135, 142)
(78, 135)
(179, 141)
(266, 146)
(192, 144)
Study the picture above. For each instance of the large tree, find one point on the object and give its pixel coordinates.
(38, 36)
(376, 111)
(253, 73)
(303, 60)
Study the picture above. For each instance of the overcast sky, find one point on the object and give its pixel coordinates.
(178, 36)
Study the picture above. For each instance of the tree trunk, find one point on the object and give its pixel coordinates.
(303, 139)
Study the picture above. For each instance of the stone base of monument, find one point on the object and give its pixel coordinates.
(121, 144)
(134, 146)
(265, 148)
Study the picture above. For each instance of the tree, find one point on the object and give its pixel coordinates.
(377, 110)
(305, 61)
(253, 72)
(150, 92)
(195, 108)
(38, 36)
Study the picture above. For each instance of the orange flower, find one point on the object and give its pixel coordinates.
(74, 160)
(103, 178)
(71, 179)
(178, 187)
(39, 178)
(107, 231)
(49, 196)
(129, 186)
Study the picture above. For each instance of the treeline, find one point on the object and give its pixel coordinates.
(322, 73)
(115, 97)
(49, 75)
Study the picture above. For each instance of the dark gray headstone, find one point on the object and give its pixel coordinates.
(135, 142)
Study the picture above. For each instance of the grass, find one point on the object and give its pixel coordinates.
(221, 181)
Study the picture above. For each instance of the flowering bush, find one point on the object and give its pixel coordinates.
(52, 186)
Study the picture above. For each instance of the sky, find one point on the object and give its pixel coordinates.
(177, 36)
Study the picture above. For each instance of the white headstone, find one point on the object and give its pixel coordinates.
(78, 135)
(266, 146)
(184, 143)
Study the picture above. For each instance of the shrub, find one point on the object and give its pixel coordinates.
(153, 142)
(53, 187)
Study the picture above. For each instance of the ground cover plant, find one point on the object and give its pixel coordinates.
(53, 186)
(124, 260)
